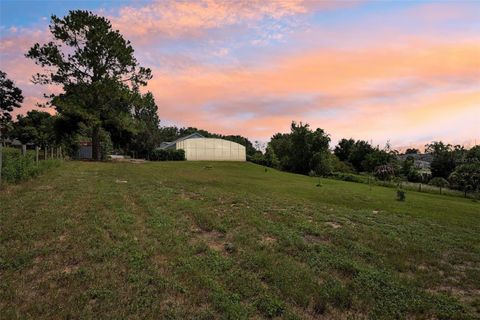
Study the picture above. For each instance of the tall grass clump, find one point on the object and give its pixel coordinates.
(17, 167)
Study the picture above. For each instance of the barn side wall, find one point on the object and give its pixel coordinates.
(209, 149)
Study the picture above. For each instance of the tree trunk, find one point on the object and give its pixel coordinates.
(96, 143)
(51, 153)
(36, 155)
(24, 150)
(45, 151)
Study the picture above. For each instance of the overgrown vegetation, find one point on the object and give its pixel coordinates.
(168, 155)
(17, 167)
(176, 240)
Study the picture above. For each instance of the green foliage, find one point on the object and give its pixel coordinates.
(344, 149)
(466, 177)
(445, 158)
(35, 127)
(350, 177)
(377, 158)
(17, 167)
(321, 164)
(302, 149)
(439, 182)
(401, 195)
(147, 138)
(10, 97)
(270, 307)
(412, 151)
(473, 155)
(100, 76)
(168, 155)
(340, 166)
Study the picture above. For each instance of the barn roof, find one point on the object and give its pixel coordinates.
(168, 145)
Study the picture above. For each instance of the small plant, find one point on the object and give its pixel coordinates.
(270, 306)
(439, 182)
(401, 195)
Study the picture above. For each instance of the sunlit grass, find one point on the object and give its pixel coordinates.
(182, 240)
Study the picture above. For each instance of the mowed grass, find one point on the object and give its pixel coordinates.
(186, 240)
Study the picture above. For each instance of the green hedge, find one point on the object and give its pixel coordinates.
(16, 168)
(168, 155)
(349, 177)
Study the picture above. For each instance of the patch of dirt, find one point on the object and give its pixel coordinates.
(121, 181)
(70, 269)
(312, 238)
(334, 225)
(187, 195)
(214, 239)
(62, 238)
(268, 240)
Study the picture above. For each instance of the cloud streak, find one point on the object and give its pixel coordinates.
(373, 71)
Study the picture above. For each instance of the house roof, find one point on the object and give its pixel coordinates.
(168, 145)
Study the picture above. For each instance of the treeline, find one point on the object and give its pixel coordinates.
(307, 151)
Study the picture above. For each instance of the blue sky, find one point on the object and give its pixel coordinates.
(379, 70)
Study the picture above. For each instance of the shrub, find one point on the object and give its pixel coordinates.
(16, 168)
(384, 172)
(439, 182)
(168, 155)
(348, 177)
(270, 306)
(401, 195)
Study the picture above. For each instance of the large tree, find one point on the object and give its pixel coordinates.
(95, 66)
(302, 150)
(35, 127)
(344, 149)
(147, 137)
(10, 97)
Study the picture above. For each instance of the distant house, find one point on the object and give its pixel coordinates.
(420, 160)
(199, 148)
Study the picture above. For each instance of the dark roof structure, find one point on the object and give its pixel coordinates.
(170, 145)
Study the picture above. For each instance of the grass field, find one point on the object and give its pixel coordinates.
(185, 240)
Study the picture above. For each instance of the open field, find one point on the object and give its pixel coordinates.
(183, 240)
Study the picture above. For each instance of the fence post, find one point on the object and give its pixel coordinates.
(45, 151)
(24, 149)
(51, 153)
(36, 154)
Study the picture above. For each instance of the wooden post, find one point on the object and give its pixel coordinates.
(45, 153)
(51, 153)
(24, 149)
(36, 154)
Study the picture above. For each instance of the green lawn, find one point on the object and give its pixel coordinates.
(183, 240)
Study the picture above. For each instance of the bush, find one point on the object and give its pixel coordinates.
(439, 182)
(16, 168)
(401, 195)
(168, 155)
(349, 177)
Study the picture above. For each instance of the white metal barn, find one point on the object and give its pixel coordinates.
(199, 148)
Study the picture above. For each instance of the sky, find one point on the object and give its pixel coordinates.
(407, 72)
